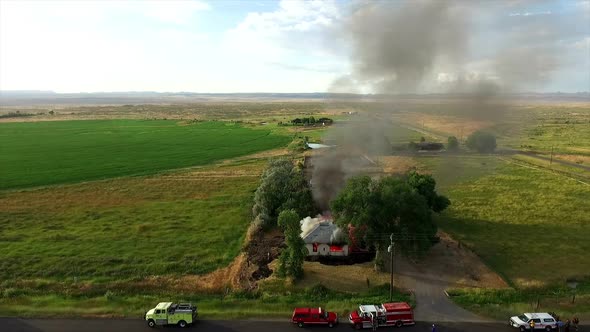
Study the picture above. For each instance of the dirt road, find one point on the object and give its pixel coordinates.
(448, 265)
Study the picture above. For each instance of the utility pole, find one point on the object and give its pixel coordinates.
(391, 250)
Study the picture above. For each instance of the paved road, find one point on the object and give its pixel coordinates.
(137, 325)
(432, 304)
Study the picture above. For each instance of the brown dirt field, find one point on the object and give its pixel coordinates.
(584, 160)
(579, 149)
(397, 164)
(445, 124)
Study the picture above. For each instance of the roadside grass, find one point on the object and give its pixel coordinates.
(503, 303)
(233, 305)
(529, 225)
(54, 152)
(189, 222)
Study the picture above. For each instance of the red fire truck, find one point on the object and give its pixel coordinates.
(386, 314)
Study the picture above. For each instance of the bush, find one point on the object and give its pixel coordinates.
(481, 142)
(109, 295)
(317, 292)
(452, 143)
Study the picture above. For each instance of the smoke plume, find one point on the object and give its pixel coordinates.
(477, 51)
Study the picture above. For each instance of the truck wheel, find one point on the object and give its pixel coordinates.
(357, 326)
(151, 323)
(548, 329)
(330, 324)
(182, 323)
(399, 323)
(522, 329)
(300, 324)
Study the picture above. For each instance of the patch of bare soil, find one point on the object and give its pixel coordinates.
(446, 124)
(396, 164)
(578, 159)
(261, 249)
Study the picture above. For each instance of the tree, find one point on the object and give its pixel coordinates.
(452, 143)
(482, 142)
(426, 186)
(282, 187)
(399, 205)
(292, 257)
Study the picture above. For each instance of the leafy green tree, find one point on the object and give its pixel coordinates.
(282, 187)
(452, 143)
(426, 186)
(399, 205)
(292, 257)
(481, 142)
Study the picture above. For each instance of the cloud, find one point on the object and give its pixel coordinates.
(172, 11)
(294, 26)
(548, 12)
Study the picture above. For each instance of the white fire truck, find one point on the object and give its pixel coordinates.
(386, 314)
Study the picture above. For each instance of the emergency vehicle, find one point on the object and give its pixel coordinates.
(314, 316)
(387, 314)
(540, 321)
(168, 313)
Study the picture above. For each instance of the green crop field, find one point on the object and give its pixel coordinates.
(45, 153)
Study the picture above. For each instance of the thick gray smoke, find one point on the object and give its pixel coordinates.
(403, 46)
(478, 51)
(396, 44)
(355, 142)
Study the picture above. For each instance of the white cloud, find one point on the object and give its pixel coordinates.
(530, 13)
(173, 11)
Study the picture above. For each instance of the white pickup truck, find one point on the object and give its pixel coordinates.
(542, 321)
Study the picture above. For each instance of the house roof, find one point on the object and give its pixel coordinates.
(320, 233)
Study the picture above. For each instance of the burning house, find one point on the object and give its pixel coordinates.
(323, 238)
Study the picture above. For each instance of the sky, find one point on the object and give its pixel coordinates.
(279, 46)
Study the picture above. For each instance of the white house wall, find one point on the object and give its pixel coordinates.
(324, 250)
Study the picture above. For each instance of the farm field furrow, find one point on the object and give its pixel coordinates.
(45, 153)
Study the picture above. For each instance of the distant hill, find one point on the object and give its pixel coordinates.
(40, 97)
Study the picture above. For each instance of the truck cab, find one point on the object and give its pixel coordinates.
(168, 313)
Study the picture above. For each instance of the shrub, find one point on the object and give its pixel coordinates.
(481, 142)
(452, 143)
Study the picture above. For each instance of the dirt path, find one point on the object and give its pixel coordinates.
(447, 265)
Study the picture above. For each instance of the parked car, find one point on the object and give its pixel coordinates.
(543, 321)
(314, 316)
